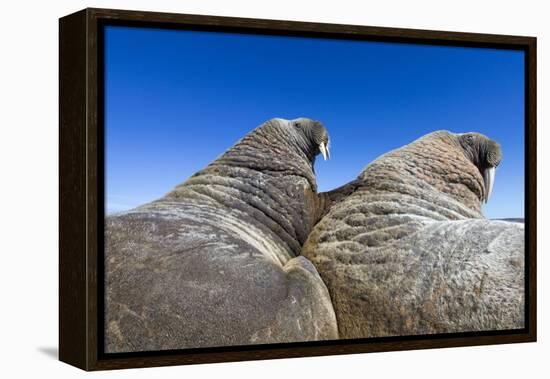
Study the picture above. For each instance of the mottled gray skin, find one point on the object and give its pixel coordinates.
(213, 263)
(405, 249)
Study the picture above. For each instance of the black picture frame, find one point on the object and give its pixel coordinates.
(81, 196)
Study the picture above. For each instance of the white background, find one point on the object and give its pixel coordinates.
(29, 185)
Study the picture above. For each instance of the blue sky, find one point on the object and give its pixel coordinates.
(176, 100)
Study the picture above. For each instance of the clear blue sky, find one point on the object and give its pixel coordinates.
(176, 100)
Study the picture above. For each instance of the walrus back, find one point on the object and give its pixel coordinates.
(213, 263)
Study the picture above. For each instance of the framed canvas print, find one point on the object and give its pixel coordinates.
(238, 189)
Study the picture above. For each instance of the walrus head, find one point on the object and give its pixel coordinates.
(314, 138)
(485, 154)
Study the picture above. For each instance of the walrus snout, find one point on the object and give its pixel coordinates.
(494, 153)
(315, 135)
(485, 154)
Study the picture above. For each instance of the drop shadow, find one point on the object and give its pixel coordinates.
(50, 351)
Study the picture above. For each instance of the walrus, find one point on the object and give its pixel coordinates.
(215, 261)
(405, 249)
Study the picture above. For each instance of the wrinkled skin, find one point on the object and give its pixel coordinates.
(405, 249)
(213, 263)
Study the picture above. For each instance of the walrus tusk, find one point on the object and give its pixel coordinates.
(324, 150)
(489, 180)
